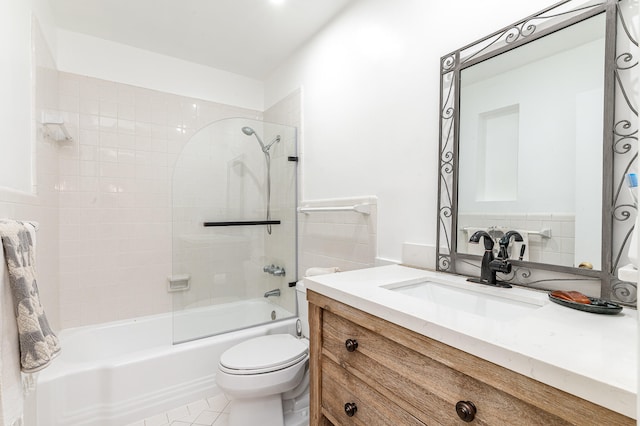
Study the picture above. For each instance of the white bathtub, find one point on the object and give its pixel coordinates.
(116, 373)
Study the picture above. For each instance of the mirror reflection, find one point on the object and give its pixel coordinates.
(530, 147)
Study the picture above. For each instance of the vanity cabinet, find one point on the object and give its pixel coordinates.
(368, 371)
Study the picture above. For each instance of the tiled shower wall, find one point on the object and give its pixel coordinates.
(115, 198)
(115, 195)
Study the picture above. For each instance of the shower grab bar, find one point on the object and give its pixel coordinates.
(243, 223)
(358, 208)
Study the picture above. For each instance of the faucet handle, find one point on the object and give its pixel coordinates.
(506, 238)
(500, 265)
(488, 240)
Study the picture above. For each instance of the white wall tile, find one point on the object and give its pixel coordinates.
(115, 196)
(342, 239)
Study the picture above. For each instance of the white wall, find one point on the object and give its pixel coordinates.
(95, 57)
(371, 87)
(15, 40)
(16, 85)
(30, 70)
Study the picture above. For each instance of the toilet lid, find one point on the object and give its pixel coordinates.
(265, 353)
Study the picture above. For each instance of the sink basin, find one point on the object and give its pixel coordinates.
(502, 308)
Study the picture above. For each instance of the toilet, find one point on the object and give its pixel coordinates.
(267, 377)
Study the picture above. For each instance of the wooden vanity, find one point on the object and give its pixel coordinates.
(368, 371)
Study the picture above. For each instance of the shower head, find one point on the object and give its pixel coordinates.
(248, 131)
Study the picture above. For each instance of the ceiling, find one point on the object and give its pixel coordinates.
(247, 37)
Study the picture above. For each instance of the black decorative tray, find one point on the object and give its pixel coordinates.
(597, 306)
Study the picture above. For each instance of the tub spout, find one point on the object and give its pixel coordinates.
(274, 292)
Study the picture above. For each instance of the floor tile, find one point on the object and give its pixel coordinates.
(159, 420)
(190, 418)
(222, 420)
(198, 406)
(218, 403)
(213, 410)
(178, 413)
(206, 418)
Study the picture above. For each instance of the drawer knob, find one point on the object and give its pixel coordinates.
(351, 345)
(466, 410)
(350, 408)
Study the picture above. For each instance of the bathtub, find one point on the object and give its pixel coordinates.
(116, 373)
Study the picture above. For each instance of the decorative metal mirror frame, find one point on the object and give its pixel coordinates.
(620, 149)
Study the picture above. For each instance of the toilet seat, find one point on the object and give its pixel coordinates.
(264, 354)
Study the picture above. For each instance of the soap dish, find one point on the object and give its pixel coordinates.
(597, 306)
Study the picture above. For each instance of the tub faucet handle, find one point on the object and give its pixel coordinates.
(274, 270)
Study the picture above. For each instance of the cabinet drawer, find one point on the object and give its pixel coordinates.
(370, 408)
(424, 387)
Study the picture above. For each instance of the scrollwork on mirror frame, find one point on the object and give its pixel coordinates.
(618, 209)
(523, 29)
(624, 150)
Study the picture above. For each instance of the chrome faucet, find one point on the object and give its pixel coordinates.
(277, 271)
(490, 265)
(274, 292)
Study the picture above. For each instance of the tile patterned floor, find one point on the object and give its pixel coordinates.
(207, 412)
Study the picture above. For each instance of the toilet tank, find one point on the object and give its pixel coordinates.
(303, 307)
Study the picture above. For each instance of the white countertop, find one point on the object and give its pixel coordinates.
(589, 355)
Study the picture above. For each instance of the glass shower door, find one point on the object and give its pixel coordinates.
(234, 228)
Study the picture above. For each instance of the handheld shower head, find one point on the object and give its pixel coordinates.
(249, 131)
(265, 150)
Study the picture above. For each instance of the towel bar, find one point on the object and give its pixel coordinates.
(358, 208)
(544, 233)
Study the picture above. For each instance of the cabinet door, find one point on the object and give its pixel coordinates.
(349, 401)
(431, 391)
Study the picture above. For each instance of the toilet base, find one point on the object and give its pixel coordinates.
(273, 410)
(264, 411)
(296, 412)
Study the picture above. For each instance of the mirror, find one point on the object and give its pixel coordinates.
(530, 155)
(536, 137)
